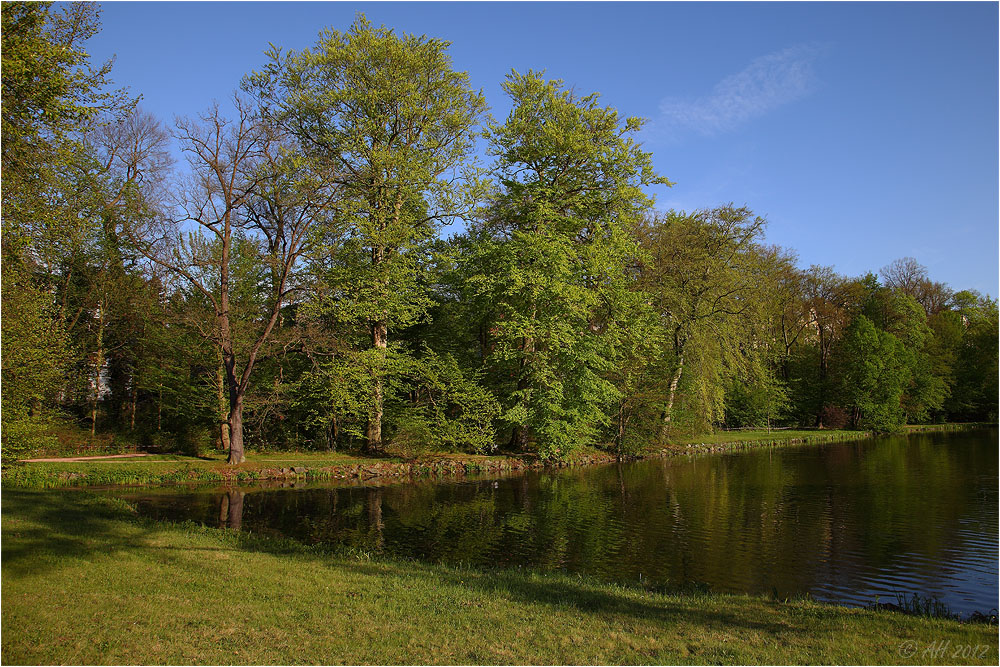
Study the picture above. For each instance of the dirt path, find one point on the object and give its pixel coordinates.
(75, 459)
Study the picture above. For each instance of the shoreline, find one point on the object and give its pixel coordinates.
(147, 471)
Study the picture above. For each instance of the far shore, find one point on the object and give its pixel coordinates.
(159, 469)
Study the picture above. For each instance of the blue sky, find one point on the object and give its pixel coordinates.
(863, 132)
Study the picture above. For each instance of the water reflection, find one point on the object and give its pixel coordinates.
(845, 521)
(231, 509)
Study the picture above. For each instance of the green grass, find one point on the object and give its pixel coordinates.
(84, 581)
(774, 436)
(751, 436)
(177, 468)
(777, 437)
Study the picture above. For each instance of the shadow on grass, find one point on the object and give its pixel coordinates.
(41, 529)
(616, 604)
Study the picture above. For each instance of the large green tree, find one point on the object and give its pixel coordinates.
(386, 118)
(704, 277)
(554, 258)
(51, 197)
(875, 375)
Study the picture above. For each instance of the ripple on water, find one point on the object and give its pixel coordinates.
(844, 522)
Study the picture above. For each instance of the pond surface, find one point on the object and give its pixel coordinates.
(844, 522)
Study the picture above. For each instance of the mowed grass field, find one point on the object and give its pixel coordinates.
(85, 581)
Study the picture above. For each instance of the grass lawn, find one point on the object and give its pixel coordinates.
(84, 581)
(178, 468)
(165, 468)
(777, 436)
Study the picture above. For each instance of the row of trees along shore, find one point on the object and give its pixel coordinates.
(292, 285)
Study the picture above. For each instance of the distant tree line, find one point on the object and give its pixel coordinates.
(292, 287)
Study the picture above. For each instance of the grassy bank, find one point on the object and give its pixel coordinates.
(730, 440)
(84, 581)
(212, 468)
(176, 468)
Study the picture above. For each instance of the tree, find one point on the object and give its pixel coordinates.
(555, 255)
(50, 91)
(830, 298)
(875, 375)
(386, 118)
(34, 347)
(905, 274)
(791, 313)
(702, 273)
(250, 199)
(51, 98)
(894, 311)
(974, 393)
(910, 277)
(129, 166)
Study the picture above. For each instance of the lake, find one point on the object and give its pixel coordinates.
(846, 522)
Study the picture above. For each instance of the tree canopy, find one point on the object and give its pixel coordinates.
(294, 288)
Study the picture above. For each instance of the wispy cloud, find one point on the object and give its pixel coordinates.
(765, 84)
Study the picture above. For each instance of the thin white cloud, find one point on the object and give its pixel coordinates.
(765, 84)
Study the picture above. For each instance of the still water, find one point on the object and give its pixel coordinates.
(844, 522)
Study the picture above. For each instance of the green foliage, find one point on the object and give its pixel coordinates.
(24, 435)
(567, 313)
(333, 398)
(51, 95)
(893, 311)
(875, 375)
(758, 401)
(455, 411)
(34, 346)
(386, 120)
(975, 392)
(553, 255)
(707, 279)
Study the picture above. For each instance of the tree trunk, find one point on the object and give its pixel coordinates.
(333, 433)
(220, 391)
(236, 432)
(374, 434)
(135, 397)
(822, 373)
(519, 436)
(235, 419)
(98, 365)
(671, 393)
